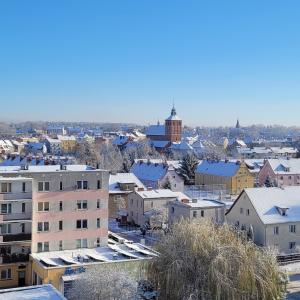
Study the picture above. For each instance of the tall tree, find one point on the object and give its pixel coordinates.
(199, 260)
(188, 167)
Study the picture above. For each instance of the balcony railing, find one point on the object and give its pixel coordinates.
(15, 216)
(17, 237)
(15, 196)
(14, 258)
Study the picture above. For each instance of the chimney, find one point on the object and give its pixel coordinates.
(149, 188)
(185, 200)
(140, 189)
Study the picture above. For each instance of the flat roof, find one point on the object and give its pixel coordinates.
(113, 252)
(35, 292)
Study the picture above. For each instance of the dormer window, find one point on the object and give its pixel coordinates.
(282, 210)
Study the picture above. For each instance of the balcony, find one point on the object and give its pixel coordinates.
(16, 237)
(15, 216)
(14, 258)
(15, 196)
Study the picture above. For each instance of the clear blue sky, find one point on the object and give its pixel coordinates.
(125, 61)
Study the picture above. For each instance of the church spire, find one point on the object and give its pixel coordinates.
(237, 124)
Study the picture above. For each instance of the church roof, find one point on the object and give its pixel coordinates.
(156, 130)
(173, 115)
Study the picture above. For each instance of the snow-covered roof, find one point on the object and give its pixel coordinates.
(285, 166)
(181, 146)
(201, 203)
(255, 150)
(266, 202)
(171, 163)
(47, 168)
(161, 193)
(173, 115)
(149, 171)
(115, 179)
(159, 144)
(35, 292)
(156, 130)
(66, 137)
(218, 168)
(120, 140)
(284, 150)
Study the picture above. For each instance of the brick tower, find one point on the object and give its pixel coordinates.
(173, 127)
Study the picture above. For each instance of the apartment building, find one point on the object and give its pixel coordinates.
(15, 230)
(49, 208)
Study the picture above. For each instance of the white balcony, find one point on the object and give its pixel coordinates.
(15, 196)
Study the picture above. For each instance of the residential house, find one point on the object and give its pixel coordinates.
(196, 209)
(271, 216)
(120, 185)
(68, 144)
(157, 175)
(143, 205)
(280, 171)
(235, 176)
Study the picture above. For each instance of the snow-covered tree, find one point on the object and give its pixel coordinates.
(104, 282)
(199, 260)
(188, 167)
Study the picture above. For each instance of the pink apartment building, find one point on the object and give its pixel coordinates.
(50, 208)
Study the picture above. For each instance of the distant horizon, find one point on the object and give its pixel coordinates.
(128, 61)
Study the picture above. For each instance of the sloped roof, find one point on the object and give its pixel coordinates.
(115, 179)
(285, 166)
(161, 193)
(159, 144)
(183, 145)
(265, 200)
(156, 130)
(149, 171)
(218, 168)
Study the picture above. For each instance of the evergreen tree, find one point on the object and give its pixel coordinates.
(188, 167)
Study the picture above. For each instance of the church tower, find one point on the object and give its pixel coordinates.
(173, 127)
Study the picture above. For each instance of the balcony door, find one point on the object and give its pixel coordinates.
(21, 278)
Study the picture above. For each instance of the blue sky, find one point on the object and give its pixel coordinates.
(125, 61)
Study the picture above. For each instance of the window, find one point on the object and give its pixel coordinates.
(98, 203)
(6, 187)
(292, 245)
(81, 243)
(60, 206)
(98, 242)
(194, 214)
(276, 230)
(43, 226)
(23, 187)
(22, 227)
(42, 246)
(6, 208)
(60, 246)
(151, 204)
(60, 225)
(293, 228)
(61, 186)
(241, 210)
(6, 228)
(81, 204)
(80, 224)
(202, 213)
(43, 206)
(172, 209)
(290, 177)
(248, 212)
(82, 185)
(23, 207)
(98, 222)
(6, 274)
(43, 186)
(98, 184)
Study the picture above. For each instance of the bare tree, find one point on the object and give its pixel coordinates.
(199, 260)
